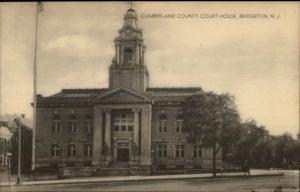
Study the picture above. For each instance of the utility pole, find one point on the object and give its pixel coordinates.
(9, 167)
(39, 8)
(18, 123)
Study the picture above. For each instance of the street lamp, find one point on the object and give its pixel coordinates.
(134, 150)
(247, 167)
(104, 150)
(9, 155)
(18, 124)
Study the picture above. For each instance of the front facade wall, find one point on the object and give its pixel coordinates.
(145, 133)
(63, 138)
(169, 135)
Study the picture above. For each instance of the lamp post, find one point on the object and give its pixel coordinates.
(104, 150)
(18, 124)
(247, 167)
(134, 150)
(9, 155)
(299, 172)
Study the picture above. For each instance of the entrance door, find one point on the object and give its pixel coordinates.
(123, 154)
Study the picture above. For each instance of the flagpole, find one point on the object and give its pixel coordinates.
(35, 84)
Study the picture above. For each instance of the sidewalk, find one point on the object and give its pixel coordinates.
(254, 173)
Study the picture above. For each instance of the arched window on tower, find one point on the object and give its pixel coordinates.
(128, 56)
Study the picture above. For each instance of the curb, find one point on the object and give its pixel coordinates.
(147, 178)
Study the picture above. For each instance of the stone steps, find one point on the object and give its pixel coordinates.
(113, 171)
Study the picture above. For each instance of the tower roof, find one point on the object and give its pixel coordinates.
(130, 20)
(130, 13)
(130, 30)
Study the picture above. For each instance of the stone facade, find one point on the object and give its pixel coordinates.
(128, 124)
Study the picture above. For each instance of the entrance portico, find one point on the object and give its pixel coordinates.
(122, 129)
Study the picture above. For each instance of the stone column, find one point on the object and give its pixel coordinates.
(97, 143)
(146, 135)
(143, 55)
(118, 54)
(136, 125)
(137, 54)
(108, 133)
(140, 54)
(135, 145)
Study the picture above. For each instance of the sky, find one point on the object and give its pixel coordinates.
(254, 59)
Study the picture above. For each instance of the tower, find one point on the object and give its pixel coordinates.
(127, 68)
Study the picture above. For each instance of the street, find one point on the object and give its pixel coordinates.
(288, 182)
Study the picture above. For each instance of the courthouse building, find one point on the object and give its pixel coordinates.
(127, 124)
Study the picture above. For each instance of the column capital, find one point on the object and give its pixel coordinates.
(98, 110)
(107, 110)
(136, 110)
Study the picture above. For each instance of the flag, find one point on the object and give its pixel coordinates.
(40, 6)
(131, 4)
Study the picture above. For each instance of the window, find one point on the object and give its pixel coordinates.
(54, 150)
(128, 56)
(179, 151)
(123, 122)
(162, 150)
(130, 128)
(72, 150)
(88, 124)
(73, 126)
(55, 126)
(197, 151)
(88, 150)
(116, 124)
(162, 125)
(4, 141)
(179, 123)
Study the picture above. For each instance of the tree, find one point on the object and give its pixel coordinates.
(254, 143)
(212, 120)
(257, 146)
(283, 148)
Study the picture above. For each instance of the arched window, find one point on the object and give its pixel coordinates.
(55, 125)
(179, 123)
(73, 124)
(88, 123)
(128, 56)
(162, 123)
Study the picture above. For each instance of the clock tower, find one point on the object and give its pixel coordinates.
(127, 69)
